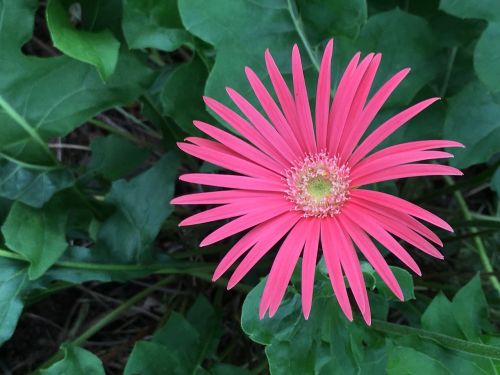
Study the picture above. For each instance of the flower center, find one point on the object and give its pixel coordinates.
(318, 185)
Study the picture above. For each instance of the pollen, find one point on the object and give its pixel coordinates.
(318, 185)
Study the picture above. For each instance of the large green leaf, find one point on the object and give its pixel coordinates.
(470, 309)
(415, 48)
(113, 157)
(229, 25)
(326, 343)
(182, 93)
(32, 186)
(439, 317)
(76, 361)
(487, 52)
(408, 361)
(13, 280)
(322, 18)
(153, 24)
(181, 345)
(99, 48)
(142, 204)
(474, 119)
(52, 95)
(36, 234)
(487, 56)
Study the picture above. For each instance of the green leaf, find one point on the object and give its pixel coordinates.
(30, 186)
(471, 309)
(53, 95)
(182, 95)
(96, 48)
(416, 48)
(332, 18)
(76, 361)
(495, 182)
(149, 358)
(203, 318)
(326, 343)
(405, 281)
(439, 317)
(407, 361)
(229, 25)
(13, 280)
(153, 24)
(142, 204)
(487, 52)
(36, 234)
(181, 345)
(487, 56)
(473, 108)
(180, 337)
(113, 157)
(484, 9)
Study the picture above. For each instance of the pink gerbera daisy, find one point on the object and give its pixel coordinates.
(302, 182)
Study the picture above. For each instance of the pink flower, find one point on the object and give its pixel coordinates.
(301, 181)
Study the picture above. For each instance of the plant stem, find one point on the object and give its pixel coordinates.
(472, 348)
(174, 268)
(32, 132)
(107, 319)
(451, 61)
(117, 131)
(481, 249)
(292, 8)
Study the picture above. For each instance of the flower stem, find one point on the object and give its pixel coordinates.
(453, 343)
(481, 249)
(297, 22)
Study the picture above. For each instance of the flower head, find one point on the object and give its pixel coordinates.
(300, 180)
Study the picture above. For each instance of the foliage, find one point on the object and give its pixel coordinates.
(93, 97)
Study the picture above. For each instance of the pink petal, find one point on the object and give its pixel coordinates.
(267, 240)
(405, 171)
(222, 197)
(357, 106)
(413, 146)
(282, 268)
(207, 143)
(239, 146)
(262, 125)
(371, 110)
(400, 230)
(284, 97)
(387, 128)
(228, 161)
(246, 129)
(255, 235)
(302, 102)
(309, 266)
(399, 216)
(274, 113)
(260, 215)
(402, 205)
(332, 260)
(323, 97)
(232, 182)
(372, 254)
(352, 268)
(238, 208)
(376, 231)
(343, 101)
(370, 165)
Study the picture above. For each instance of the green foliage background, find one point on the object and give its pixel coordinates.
(93, 96)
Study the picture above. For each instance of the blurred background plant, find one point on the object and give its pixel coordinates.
(95, 276)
